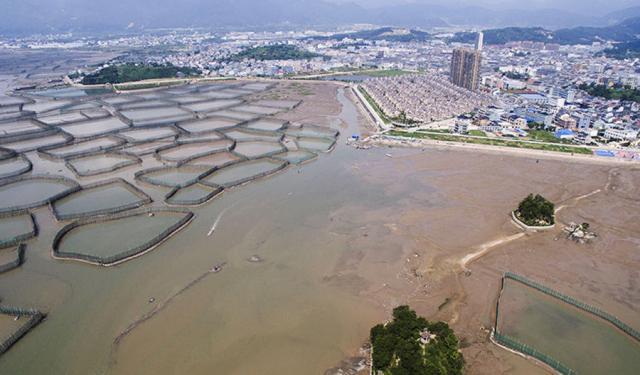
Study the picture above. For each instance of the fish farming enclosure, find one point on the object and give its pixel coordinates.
(564, 333)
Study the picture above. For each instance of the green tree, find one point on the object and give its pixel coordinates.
(398, 351)
(536, 210)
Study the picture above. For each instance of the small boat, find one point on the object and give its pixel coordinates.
(217, 268)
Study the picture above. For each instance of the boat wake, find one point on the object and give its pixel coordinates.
(215, 223)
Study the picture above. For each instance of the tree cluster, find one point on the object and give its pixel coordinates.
(625, 93)
(274, 52)
(397, 349)
(535, 210)
(131, 72)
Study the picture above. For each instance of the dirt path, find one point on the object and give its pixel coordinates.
(486, 247)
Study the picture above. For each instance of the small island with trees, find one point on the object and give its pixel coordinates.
(535, 211)
(131, 72)
(411, 345)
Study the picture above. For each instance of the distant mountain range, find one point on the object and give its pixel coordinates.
(625, 34)
(30, 16)
(622, 32)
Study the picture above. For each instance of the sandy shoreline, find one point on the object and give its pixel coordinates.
(385, 140)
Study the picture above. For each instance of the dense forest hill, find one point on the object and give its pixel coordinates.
(623, 32)
(274, 52)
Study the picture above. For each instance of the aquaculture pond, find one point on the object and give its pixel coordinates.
(173, 176)
(266, 125)
(211, 106)
(579, 340)
(15, 227)
(248, 135)
(194, 137)
(37, 142)
(96, 113)
(32, 192)
(311, 131)
(192, 195)
(236, 115)
(151, 116)
(189, 98)
(101, 163)
(315, 144)
(146, 104)
(111, 239)
(106, 198)
(191, 150)
(45, 106)
(255, 149)
(20, 127)
(296, 156)
(14, 166)
(244, 171)
(148, 147)
(85, 147)
(94, 127)
(122, 99)
(223, 94)
(208, 125)
(218, 159)
(60, 119)
(148, 134)
(82, 106)
(70, 92)
(258, 109)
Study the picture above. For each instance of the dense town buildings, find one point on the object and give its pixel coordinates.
(530, 84)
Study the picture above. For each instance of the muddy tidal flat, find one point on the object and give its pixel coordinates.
(342, 238)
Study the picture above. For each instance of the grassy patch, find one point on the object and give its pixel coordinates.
(492, 142)
(544, 136)
(374, 105)
(477, 133)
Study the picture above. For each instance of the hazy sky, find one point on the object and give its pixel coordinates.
(577, 6)
(26, 16)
